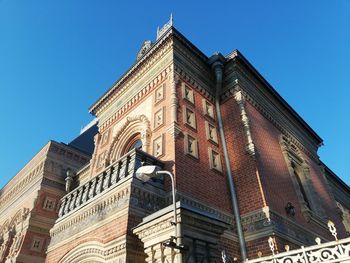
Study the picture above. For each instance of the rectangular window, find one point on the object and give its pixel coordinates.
(208, 109)
(191, 145)
(101, 159)
(214, 160)
(37, 244)
(189, 117)
(187, 93)
(158, 146)
(49, 204)
(159, 118)
(211, 132)
(159, 93)
(105, 137)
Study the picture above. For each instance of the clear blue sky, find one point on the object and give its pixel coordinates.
(58, 57)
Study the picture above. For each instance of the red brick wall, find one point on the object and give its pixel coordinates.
(103, 234)
(275, 176)
(243, 166)
(193, 176)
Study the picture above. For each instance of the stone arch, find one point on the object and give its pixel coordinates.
(19, 217)
(133, 125)
(91, 252)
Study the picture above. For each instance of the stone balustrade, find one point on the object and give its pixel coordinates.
(109, 178)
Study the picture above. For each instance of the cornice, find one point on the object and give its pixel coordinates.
(103, 125)
(162, 46)
(34, 171)
(265, 222)
(27, 169)
(238, 59)
(270, 112)
(192, 81)
(26, 183)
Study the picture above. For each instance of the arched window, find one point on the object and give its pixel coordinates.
(134, 143)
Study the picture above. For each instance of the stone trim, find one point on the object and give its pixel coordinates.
(137, 124)
(264, 222)
(133, 74)
(297, 164)
(189, 79)
(250, 147)
(95, 250)
(143, 92)
(265, 107)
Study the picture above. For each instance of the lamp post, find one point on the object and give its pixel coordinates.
(145, 173)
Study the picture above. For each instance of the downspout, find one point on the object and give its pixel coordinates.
(217, 63)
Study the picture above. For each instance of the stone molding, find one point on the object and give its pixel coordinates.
(108, 201)
(159, 49)
(131, 126)
(250, 147)
(143, 92)
(265, 222)
(95, 250)
(297, 163)
(193, 82)
(12, 235)
(199, 233)
(110, 205)
(203, 208)
(27, 180)
(36, 169)
(254, 96)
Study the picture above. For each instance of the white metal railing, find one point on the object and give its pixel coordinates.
(330, 252)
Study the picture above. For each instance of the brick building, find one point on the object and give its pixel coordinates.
(245, 166)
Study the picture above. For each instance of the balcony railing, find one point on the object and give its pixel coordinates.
(337, 251)
(109, 178)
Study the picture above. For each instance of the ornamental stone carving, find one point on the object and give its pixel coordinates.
(133, 125)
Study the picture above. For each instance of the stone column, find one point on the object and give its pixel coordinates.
(199, 235)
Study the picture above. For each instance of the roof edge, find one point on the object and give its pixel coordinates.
(236, 54)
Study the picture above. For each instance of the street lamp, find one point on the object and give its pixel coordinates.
(145, 173)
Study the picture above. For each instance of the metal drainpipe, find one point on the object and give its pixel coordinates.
(218, 65)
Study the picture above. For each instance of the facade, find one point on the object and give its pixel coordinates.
(245, 165)
(30, 201)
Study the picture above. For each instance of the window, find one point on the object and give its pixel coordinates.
(37, 244)
(134, 143)
(159, 93)
(158, 146)
(158, 118)
(187, 93)
(101, 159)
(301, 187)
(105, 137)
(311, 206)
(214, 160)
(191, 145)
(208, 109)
(49, 204)
(211, 132)
(189, 117)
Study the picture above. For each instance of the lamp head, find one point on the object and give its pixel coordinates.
(145, 173)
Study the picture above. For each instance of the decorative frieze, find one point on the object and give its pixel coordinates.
(104, 252)
(134, 74)
(11, 195)
(130, 100)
